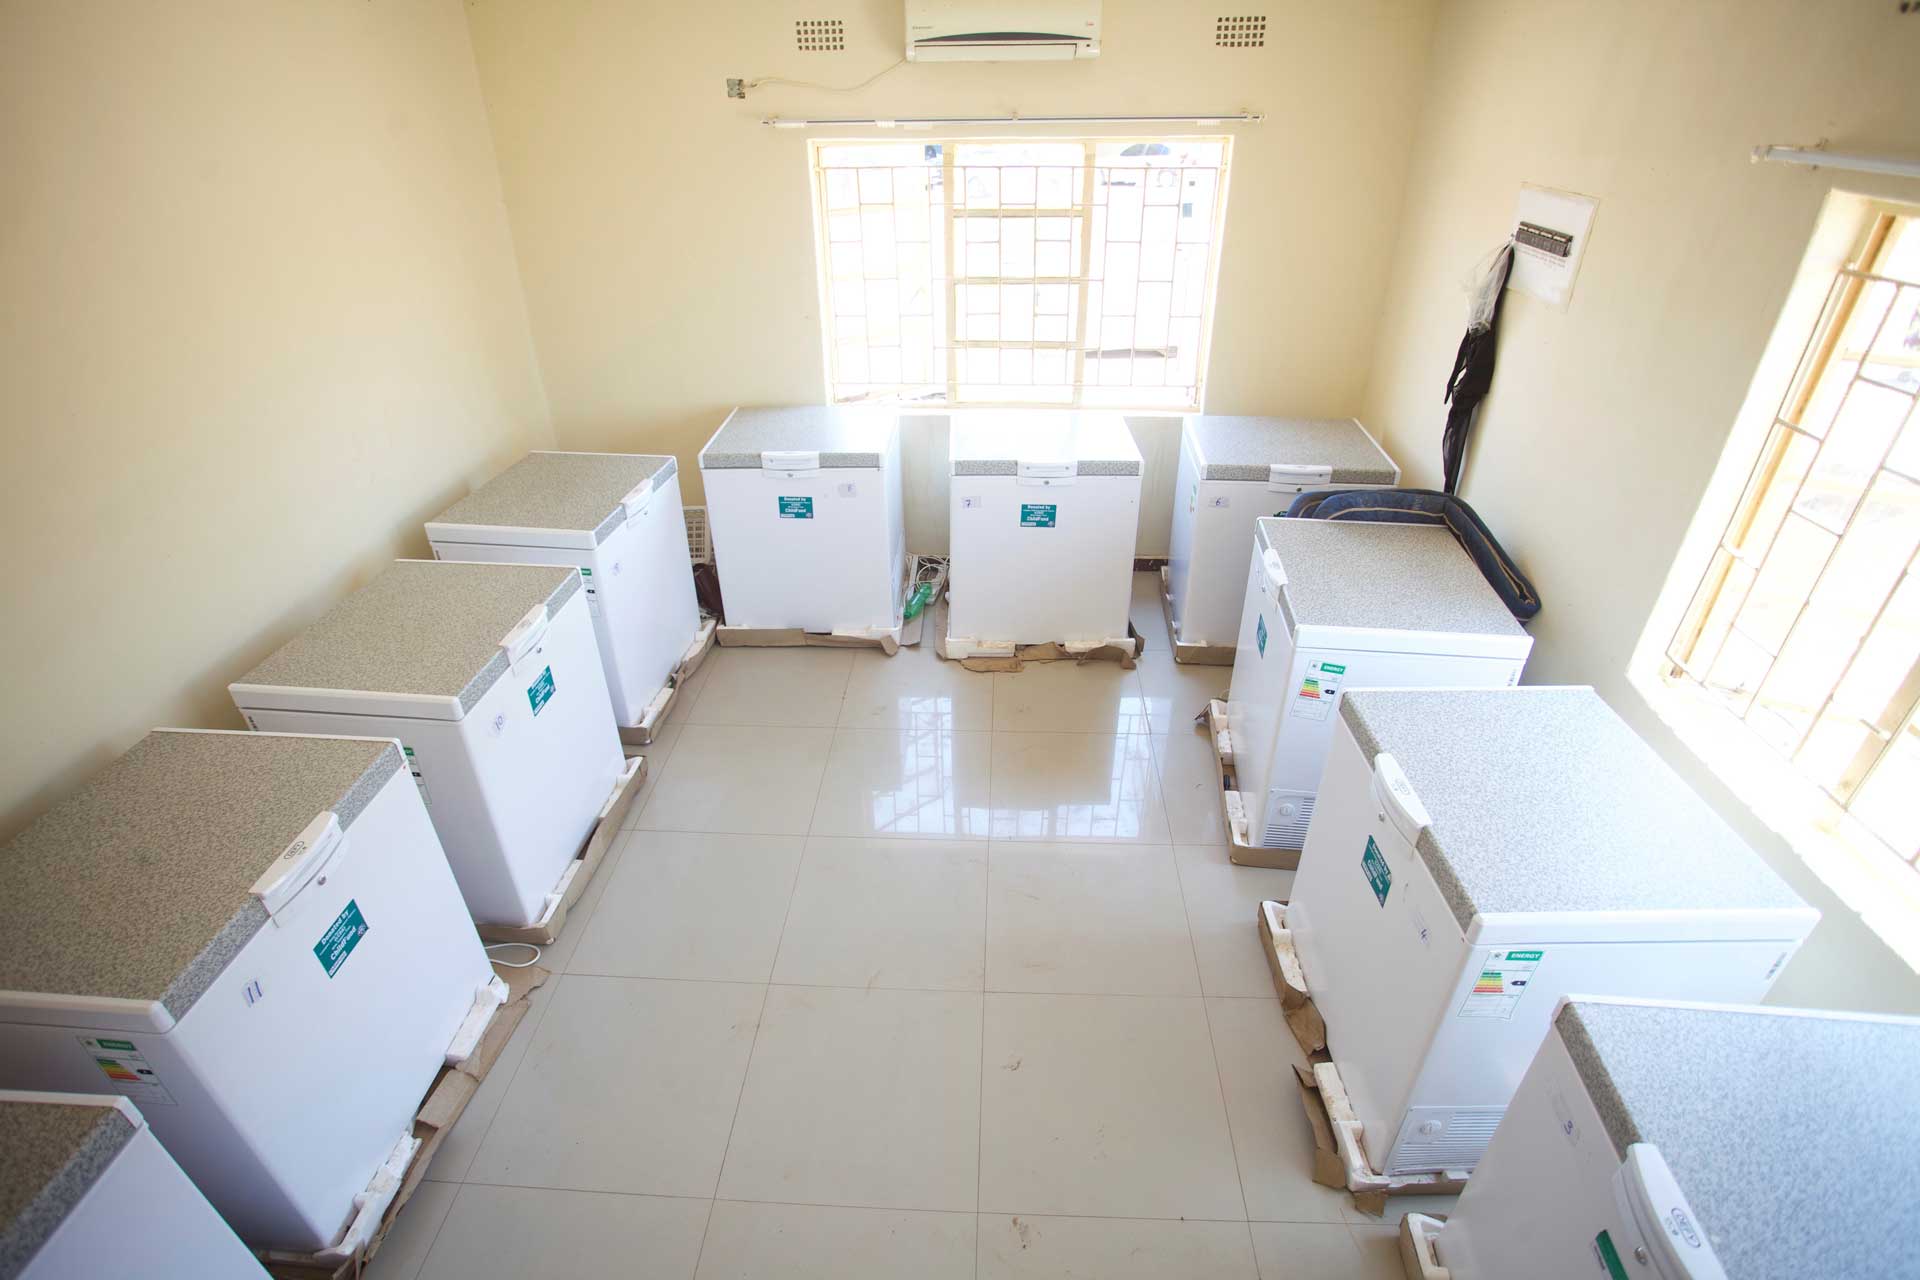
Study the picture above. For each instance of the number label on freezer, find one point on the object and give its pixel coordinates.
(126, 1070)
(341, 937)
(540, 692)
(1374, 863)
(796, 508)
(1038, 515)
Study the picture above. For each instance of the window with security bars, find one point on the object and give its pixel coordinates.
(1806, 625)
(1038, 272)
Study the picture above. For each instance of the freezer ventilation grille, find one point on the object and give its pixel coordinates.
(1241, 31)
(1458, 1145)
(820, 35)
(699, 548)
(1288, 813)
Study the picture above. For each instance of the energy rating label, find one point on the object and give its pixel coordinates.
(1318, 687)
(1504, 977)
(126, 1070)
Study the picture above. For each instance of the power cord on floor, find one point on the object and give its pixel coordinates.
(513, 964)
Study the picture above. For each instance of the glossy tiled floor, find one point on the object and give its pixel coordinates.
(902, 970)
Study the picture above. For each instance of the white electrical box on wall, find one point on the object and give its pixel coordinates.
(1550, 233)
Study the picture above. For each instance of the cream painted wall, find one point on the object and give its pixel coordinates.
(1606, 422)
(666, 236)
(263, 317)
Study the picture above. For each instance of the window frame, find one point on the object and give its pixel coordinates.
(950, 283)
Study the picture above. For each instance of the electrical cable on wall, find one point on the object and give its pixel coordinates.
(824, 88)
(1472, 374)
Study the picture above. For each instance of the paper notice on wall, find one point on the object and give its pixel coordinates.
(1551, 229)
(1319, 686)
(126, 1070)
(1501, 983)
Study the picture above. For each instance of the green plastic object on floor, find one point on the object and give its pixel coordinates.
(917, 601)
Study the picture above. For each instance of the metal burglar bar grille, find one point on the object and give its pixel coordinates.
(1034, 273)
(1806, 624)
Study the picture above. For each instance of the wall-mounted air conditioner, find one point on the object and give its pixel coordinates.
(1002, 30)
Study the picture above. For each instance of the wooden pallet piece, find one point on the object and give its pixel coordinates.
(1199, 655)
(1241, 850)
(1303, 1017)
(452, 1089)
(606, 829)
(1417, 1255)
(662, 703)
(1339, 1153)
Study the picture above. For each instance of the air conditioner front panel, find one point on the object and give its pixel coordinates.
(1002, 30)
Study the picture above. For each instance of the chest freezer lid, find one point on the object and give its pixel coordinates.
(1248, 448)
(1788, 1131)
(826, 435)
(1000, 442)
(1383, 577)
(555, 499)
(139, 886)
(1542, 800)
(426, 636)
(55, 1148)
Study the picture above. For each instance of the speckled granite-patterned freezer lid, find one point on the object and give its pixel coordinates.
(994, 442)
(560, 491)
(1543, 800)
(423, 627)
(843, 436)
(1242, 448)
(51, 1154)
(1794, 1136)
(1400, 577)
(137, 887)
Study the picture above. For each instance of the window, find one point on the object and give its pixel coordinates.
(1042, 272)
(1806, 625)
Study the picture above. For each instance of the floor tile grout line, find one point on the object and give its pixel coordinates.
(980, 1094)
(759, 1022)
(1213, 1047)
(706, 1230)
(426, 1254)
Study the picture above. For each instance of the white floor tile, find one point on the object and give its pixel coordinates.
(1271, 1141)
(861, 1098)
(1223, 904)
(1040, 1248)
(1076, 786)
(1103, 1106)
(1398, 1207)
(1379, 1248)
(1175, 692)
(887, 913)
(1307, 1251)
(913, 782)
(405, 1249)
(692, 905)
(455, 1157)
(628, 1085)
(915, 689)
(1148, 615)
(759, 781)
(772, 687)
(1069, 697)
(524, 1233)
(1091, 919)
(1189, 776)
(656, 753)
(823, 1242)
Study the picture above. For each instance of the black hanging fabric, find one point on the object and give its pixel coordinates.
(1471, 378)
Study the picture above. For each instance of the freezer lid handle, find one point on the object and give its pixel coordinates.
(1051, 469)
(1399, 802)
(635, 503)
(790, 462)
(525, 633)
(1289, 477)
(300, 862)
(1649, 1198)
(1273, 579)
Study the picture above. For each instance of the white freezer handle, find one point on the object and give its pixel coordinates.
(1649, 1198)
(635, 503)
(1055, 472)
(791, 462)
(1399, 803)
(1273, 578)
(1286, 477)
(301, 861)
(526, 633)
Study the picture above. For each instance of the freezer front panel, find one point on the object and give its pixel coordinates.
(1034, 562)
(264, 1091)
(822, 552)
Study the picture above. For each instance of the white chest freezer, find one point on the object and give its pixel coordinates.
(1750, 1144)
(1475, 855)
(1332, 605)
(617, 518)
(255, 938)
(804, 510)
(490, 677)
(1046, 504)
(85, 1190)
(1234, 471)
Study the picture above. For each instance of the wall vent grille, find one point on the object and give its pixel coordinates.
(1243, 31)
(820, 35)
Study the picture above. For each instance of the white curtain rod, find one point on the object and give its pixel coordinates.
(1241, 117)
(1837, 160)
